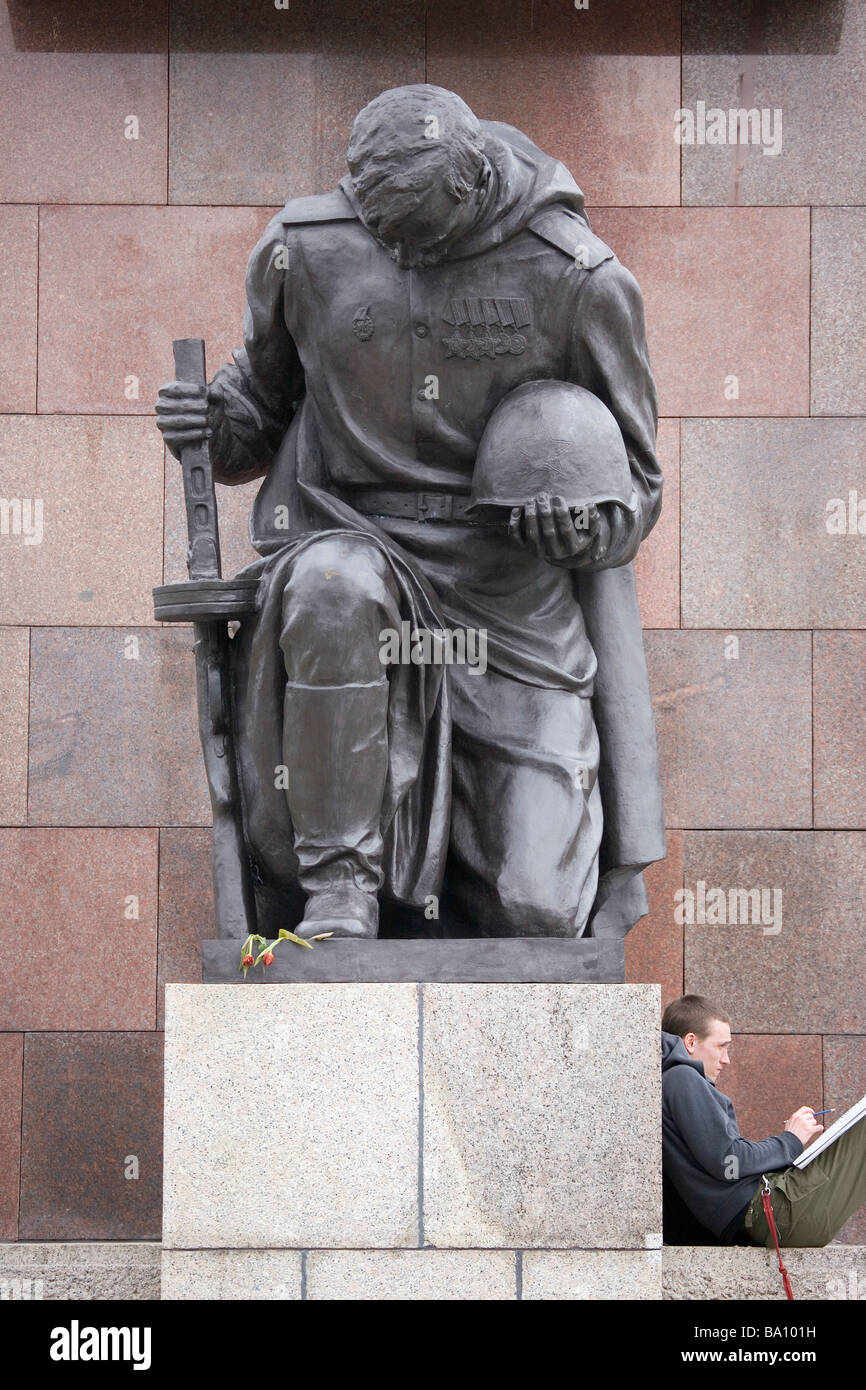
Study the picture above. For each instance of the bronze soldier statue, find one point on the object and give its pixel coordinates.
(386, 322)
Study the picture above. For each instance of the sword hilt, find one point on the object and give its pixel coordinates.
(203, 556)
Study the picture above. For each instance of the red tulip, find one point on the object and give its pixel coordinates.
(268, 958)
(248, 961)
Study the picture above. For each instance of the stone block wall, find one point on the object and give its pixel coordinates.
(142, 149)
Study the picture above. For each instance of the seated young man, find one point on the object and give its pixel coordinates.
(712, 1177)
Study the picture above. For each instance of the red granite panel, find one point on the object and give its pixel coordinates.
(597, 87)
(808, 63)
(290, 83)
(840, 749)
(257, 142)
(727, 304)
(186, 911)
(770, 523)
(83, 105)
(118, 284)
(78, 929)
(777, 27)
(14, 702)
(114, 729)
(657, 567)
(91, 1163)
(800, 968)
(91, 494)
(771, 1076)
(100, 26)
(18, 259)
(733, 718)
(654, 947)
(11, 1063)
(839, 303)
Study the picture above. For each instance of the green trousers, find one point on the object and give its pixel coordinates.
(810, 1205)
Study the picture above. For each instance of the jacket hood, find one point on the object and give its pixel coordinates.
(674, 1055)
(524, 182)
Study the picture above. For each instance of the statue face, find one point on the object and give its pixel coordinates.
(418, 225)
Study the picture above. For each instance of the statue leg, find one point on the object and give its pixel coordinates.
(526, 808)
(339, 597)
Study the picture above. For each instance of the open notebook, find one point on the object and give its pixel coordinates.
(837, 1128)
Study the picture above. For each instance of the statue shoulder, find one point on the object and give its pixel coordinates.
(318, 207)
(562, 228)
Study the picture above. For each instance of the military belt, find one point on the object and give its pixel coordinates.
(412, 506)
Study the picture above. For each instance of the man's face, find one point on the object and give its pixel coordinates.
(711, 1050)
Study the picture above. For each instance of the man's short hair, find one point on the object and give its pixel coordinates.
(692, 1014)
(413, 133)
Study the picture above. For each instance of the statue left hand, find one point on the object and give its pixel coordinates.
(547, 524)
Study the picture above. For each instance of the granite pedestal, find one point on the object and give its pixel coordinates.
(429, 1138)
(462, 960)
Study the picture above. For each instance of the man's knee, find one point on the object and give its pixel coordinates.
(339, 596)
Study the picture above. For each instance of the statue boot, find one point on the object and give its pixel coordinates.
(335, 747)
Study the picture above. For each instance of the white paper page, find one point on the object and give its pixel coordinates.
(844, 1122)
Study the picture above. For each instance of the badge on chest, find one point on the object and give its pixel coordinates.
(486, 327)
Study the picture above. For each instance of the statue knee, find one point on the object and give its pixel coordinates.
(338, 570)
(537, 909)
(339, 597)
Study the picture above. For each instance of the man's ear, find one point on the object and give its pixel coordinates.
(690, 1039)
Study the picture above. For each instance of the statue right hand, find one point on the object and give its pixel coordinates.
(184, 412)
(546, 524)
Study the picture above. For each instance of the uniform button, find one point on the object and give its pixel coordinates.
(421, 330)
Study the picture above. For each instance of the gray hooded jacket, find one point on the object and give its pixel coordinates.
(712, 1168)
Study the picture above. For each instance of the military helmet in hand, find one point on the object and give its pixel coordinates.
(553, 437)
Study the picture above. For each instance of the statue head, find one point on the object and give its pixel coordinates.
(418, 170)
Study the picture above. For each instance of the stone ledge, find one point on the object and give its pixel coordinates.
(233, 1276)
(89, 1270)
(459, 960)
(427, 1274)
(95, 1270)
(738, 1272)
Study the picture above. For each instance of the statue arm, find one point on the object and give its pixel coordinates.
(610, 358)
(253, 399)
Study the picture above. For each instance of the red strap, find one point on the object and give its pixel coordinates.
(768, 1212)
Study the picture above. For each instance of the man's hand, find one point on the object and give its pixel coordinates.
(560, 537)
(804, 1125)
(183, 414)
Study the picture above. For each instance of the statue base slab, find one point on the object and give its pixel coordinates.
(461, 960)
(397, 1140)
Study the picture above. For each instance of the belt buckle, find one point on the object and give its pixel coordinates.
(436, 506)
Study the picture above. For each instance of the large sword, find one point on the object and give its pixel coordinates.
(209, 602)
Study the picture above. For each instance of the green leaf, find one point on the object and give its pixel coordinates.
(298, 940)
